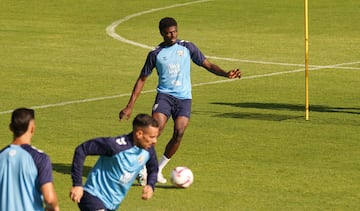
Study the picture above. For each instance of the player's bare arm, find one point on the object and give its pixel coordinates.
(213, 68)
(125, 113)
(50, 197)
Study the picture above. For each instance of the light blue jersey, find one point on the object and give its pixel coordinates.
(116, 169)
(173, 67)
(23, 170)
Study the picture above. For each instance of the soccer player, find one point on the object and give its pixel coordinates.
(121, 159)
(171, 58)
(25, 172)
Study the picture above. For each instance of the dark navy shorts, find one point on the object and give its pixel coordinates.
(91, 203)
(172, 106)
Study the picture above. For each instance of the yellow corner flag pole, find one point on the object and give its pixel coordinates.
(306, 61)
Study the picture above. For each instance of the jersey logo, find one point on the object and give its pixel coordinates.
(180, 53)
(12, 152)
(121, 141)
(126, 177)
(141, 159)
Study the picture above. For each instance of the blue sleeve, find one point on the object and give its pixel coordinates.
(42, 163)
(150, 62)
(196, 55)
(152, 168)
(98, 146)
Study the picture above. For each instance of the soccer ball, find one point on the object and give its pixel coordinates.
(181, 177)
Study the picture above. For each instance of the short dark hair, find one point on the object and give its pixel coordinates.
(20, 119)
(166, 23)
(143, 121)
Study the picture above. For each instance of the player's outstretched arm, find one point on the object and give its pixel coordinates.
(125, 113)
(213, 68)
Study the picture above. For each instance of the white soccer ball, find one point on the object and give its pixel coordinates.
(181, 177)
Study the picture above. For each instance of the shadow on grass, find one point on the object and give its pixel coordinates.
(277, 107)
(292, 107)
(66, 169)
(270, 117)
(159, 186)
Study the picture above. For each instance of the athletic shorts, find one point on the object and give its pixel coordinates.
(172, 106)
(91, 203)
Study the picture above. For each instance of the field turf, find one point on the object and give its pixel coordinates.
(248, 142)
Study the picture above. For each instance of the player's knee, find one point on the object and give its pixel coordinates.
(178, 134)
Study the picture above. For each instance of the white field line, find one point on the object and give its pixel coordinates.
(285, 64)
(280, 73)
(110, 30)
(194, 85)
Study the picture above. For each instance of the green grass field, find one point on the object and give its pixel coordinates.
(248, 142)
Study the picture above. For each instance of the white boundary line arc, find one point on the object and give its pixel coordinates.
(111, 32)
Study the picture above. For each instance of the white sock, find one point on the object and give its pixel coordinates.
(162, 163)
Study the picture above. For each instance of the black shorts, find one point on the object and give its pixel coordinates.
(172, 106)
(91, 203)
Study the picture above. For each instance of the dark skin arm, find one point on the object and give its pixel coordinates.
(213, 68)
(125, 113)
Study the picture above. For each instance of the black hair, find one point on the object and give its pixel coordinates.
(143, 121)
(20, 119)
(166, 23)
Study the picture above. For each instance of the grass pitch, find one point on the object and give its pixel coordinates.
(248, 143)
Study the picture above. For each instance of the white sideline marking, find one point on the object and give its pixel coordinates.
(110, 30)
(280, 73)
(194, 85)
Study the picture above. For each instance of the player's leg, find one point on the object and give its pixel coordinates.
(161, 119)
(161, 112)
(180, 126)
(181, 114)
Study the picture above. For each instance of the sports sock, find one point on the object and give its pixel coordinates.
(162, 163)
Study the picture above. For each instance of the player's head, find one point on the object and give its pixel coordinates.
(21, 119)
(145, 130)
(168, 30)
(166, 23)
